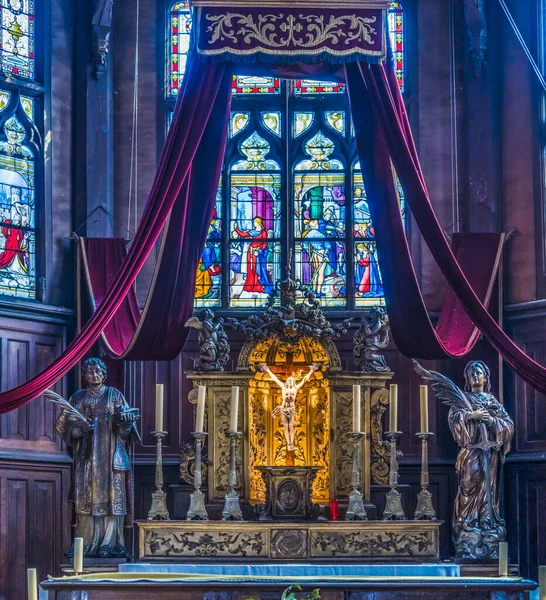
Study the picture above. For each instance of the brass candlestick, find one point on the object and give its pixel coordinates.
(424, 511)
(393, 506)
(232, 508)
(356, 510)
(197, 510)
(158, 510)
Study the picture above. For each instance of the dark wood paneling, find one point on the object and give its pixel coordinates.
(34, 522)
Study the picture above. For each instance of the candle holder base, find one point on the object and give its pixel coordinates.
(393, 507)
(232, 509)
(356, 510)
(197, 510)
(158, 510)
(424, 511)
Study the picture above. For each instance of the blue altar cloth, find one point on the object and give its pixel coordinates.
(295, 570)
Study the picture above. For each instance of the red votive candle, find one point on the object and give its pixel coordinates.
(334, 510)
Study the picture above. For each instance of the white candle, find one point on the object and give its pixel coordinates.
(424, 408)
(393, 411)
(234, 408)
(542, 582)
(32, 584)
(159, 407)
(200, 419)
(503, 559)
(78, 555)
(356, 408)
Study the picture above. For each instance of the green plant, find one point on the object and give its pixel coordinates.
(288, 594)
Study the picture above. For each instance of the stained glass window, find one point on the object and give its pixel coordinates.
(395, 16)
(304, 87)
(179, 44)
(17, 213)
(249, 84)
(17, 22)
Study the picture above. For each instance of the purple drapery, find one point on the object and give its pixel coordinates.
(199, 126)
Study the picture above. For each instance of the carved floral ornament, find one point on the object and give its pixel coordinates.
(291, 31)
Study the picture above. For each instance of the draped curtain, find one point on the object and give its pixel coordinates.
(183, 196)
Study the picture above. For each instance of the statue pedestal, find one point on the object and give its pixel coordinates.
(289, 493)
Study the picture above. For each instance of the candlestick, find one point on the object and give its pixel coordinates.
(393, 408)
(159, 407)
(78, 555)
(32, 584)
(542, 582)
(234, 416)
(232, 509)
(198, 510)
(356, 408)
(158, 509)
(393, 506)
(503, 559)
(356, 510)
(424, 511)
(200, 418)
(424, 408)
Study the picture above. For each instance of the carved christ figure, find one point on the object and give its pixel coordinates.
(287, 409)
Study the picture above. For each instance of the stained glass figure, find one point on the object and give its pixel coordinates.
(256, 149)
(319, 148)
(17, 213)
(179, 44)
(208, 280)
(395, 16)
(238, 121)
(304, 87)
(320, 237)
(17, 22)
(254, 251)
(336, 120)
(249, 84)
(272, 120)
(302, 122)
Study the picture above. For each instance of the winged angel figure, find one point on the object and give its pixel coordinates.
(483, 430)
(213, 342)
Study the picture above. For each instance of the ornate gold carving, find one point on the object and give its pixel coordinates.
(198, 543)
(304, 31)
(371, 544)
(380, 459)
(257, 438)
(320, 402)
(343, 403)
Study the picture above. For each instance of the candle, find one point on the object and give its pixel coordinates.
(78, 555)
(503, 559)
(424, 408)
(356, 408)
(32, 584)
(234, 408)
(200, 419)
(542, 582)
(393, 412)
(159, 407)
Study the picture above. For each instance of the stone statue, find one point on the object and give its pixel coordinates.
(287, 410)
(214, 352)
(372, 337)
(99, 426)
(483, 430)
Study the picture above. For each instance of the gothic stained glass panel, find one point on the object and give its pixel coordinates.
(302, 122)
(272, 120)
(17, 22)
(304, 87)
(238, 121)
(395, 16)
(250, 84)
(208, 280)
(17, 214)
(336, 120)
(179, 45)
(255, 231)
(319, 232)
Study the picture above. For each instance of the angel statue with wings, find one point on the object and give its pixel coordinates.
(213, 341)
(287, 409)
(483, 430)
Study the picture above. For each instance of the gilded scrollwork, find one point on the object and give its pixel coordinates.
(257, 435)
(321, 444)
(380, 448)
(343, 444)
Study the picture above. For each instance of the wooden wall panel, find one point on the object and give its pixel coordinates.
(34, 522)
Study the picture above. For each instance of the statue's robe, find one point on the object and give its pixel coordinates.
(471, 510)
(101, 467)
